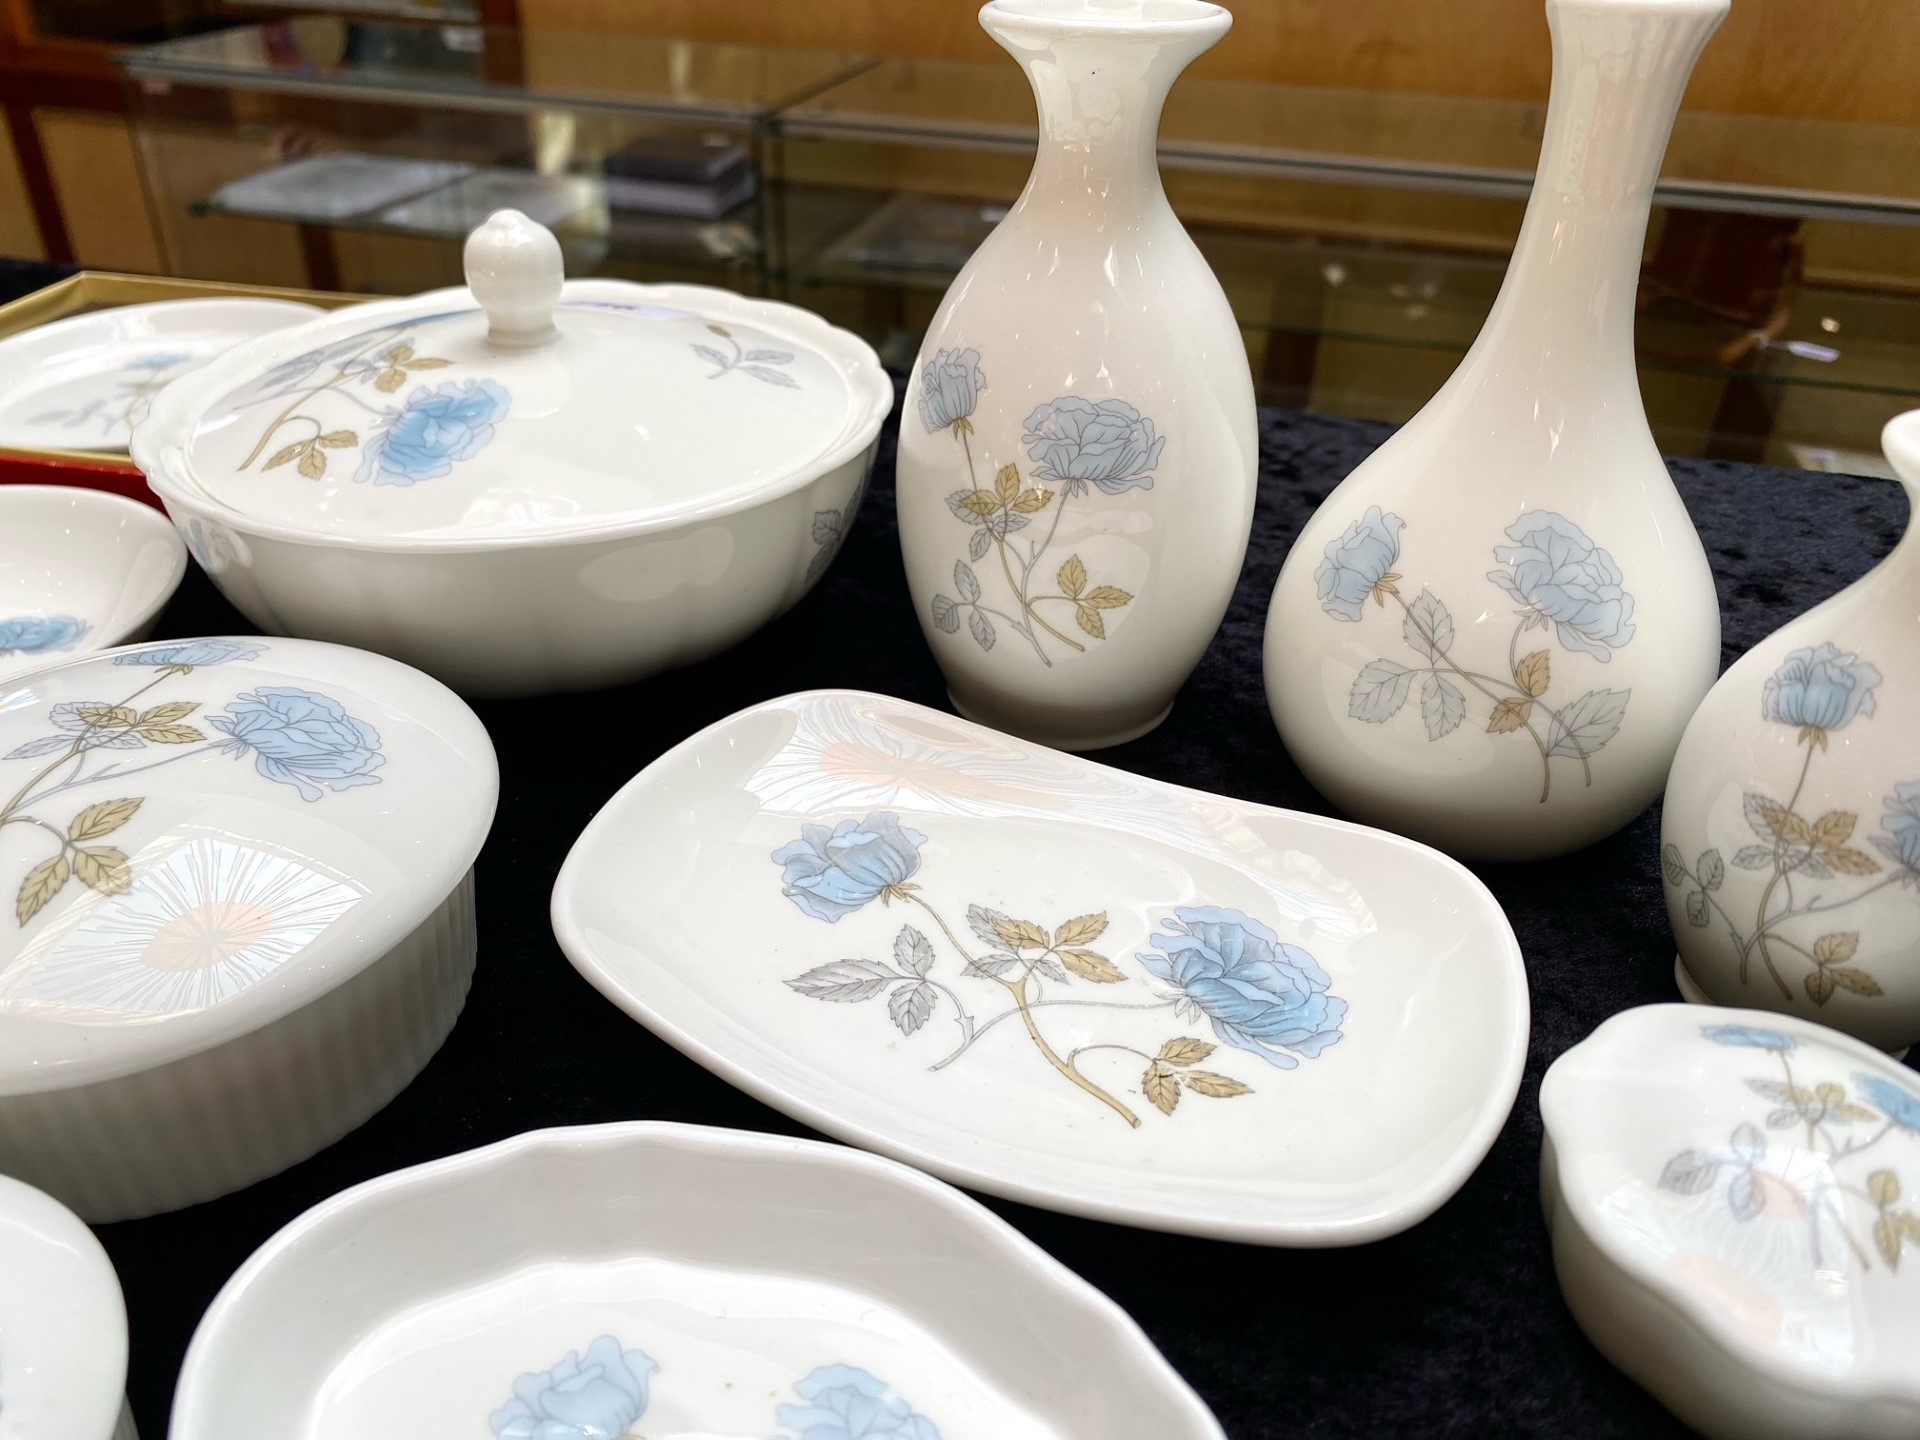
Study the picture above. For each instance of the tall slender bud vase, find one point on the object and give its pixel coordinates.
(1790, 840)
(1492, 633)
(1076, 470)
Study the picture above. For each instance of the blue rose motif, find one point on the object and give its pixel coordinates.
(1896, 1102)
(301, 739)
(37, 634)
(436, 427)
(1751, 1037)
(1259, 993)
(950, 387)
(1562, 577)
(189, 653)
(1901, 843)
(844, 1402)
(165, 360)
(598, 1396)
(1357, 563)
(830, 873)
(1077, 442)
(1820, 689)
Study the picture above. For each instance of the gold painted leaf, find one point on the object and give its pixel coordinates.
(981, 502)
(1072, 577)
(427, 362)
(102, 819)
(1089, 965)
(1007, 483)
(1032, 502)
(1819, 985)
(1837, 948)
(1834, 827)
(1857, 981)
(1385, 586)
(1021, 934)
(1787, 825)
(1849, 861)
(170, 734)
(1909, 1224)
(1534, 673)
(102, 868)
(721, 331)
(1162, 1087)
(1081, 930)
(1107, 597)
(1849, 1111)
(1886, 1239)
(1509, 714)
(398, 355)
(1220, 1087)
(388, 381)
(312, 465)
(339, 439)
(1088, 619)
(284, 454)
(108, 717)
(43, 882)
(168, 713)
(1884, 1187)
(1185, 1050)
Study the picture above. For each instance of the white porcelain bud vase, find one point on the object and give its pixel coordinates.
(1790, 838)
(1077, 458)
(1492, 633)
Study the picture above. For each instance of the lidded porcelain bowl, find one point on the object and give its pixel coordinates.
(527, 485)
(1734, 1198)
(239, 909)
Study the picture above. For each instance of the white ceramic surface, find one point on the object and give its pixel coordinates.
(668, 1281)
(63, 1325)
(80, 570)
(559, 487)
(1077, 457)
(1735, 1205)
(239, 909)
(1053, 981)
(1492, 633)
(1791, 830)
(87, 382)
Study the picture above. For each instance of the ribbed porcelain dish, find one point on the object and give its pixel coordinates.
(670, 1282)
(239, 909)
(63, 1325)
(80, 570)
(526, 485)
(1053, 981)
(1734, 1197)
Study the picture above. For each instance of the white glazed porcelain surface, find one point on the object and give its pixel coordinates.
(1054, 981)
(1492, 633)
(87, 382)
(63, 1325)
(1735, 1205)
(1791, 830)
(581, 486)
(724, 1285)
(80, 570)
(1076, 462)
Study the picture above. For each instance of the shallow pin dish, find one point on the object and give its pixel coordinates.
(527, 485)
(1734, 1197)
(80, 570)
(1053, 981)
(238, 917)
(665, 1280)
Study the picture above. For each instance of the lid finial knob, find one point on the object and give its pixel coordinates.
(514, 270)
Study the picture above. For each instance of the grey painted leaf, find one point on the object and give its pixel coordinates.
(965, 582)
(772, 377)
(1783, 1119)
(956, 502)
(1755, 807)
(844, 980)
(1051, 968)
(910, 1006)
(1777, 1091)
(981, 921)
(1697, 908)
(977, 544)
(1442, 706)
(946, 613)
(1588, 723)
(1711, 870)
(1811, 864)
(1689, 1172)
(1743, 1196)
(1428, 627)
(771, 357)
(982, 629)
(1754, 857)
(1672, 866)
(1005, 522)
(1379, 691)
(1189, 1010)
(912, 952)
(997, 964)
(713, 356)
(826, 527)
(45, 745)
(1748, 1143)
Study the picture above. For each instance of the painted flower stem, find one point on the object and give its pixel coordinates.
(339, 374)
(987, 1025)
(1020, 594)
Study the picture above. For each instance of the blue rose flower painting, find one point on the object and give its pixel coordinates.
(41, 634)
(301, 738)
(844, 1402)
(1077, 449)
(433, 431)
(1818, 692)
(1262, 995)
(1559, 579)
(599, 1395)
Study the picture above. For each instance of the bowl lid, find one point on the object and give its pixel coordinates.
(1760, 1173)
(63, 1323)
(520, 407)
(199, 836)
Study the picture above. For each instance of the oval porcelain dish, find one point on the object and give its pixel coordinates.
(80, 570)
(548, 487)
(1734, 1197)
(668, 1280)
(239, 909)
(63, 1325)
(88, 382)
(1056, 982)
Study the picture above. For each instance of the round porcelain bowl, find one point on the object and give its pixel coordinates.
(80, 570)
(668, 1280)
(492, 609)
